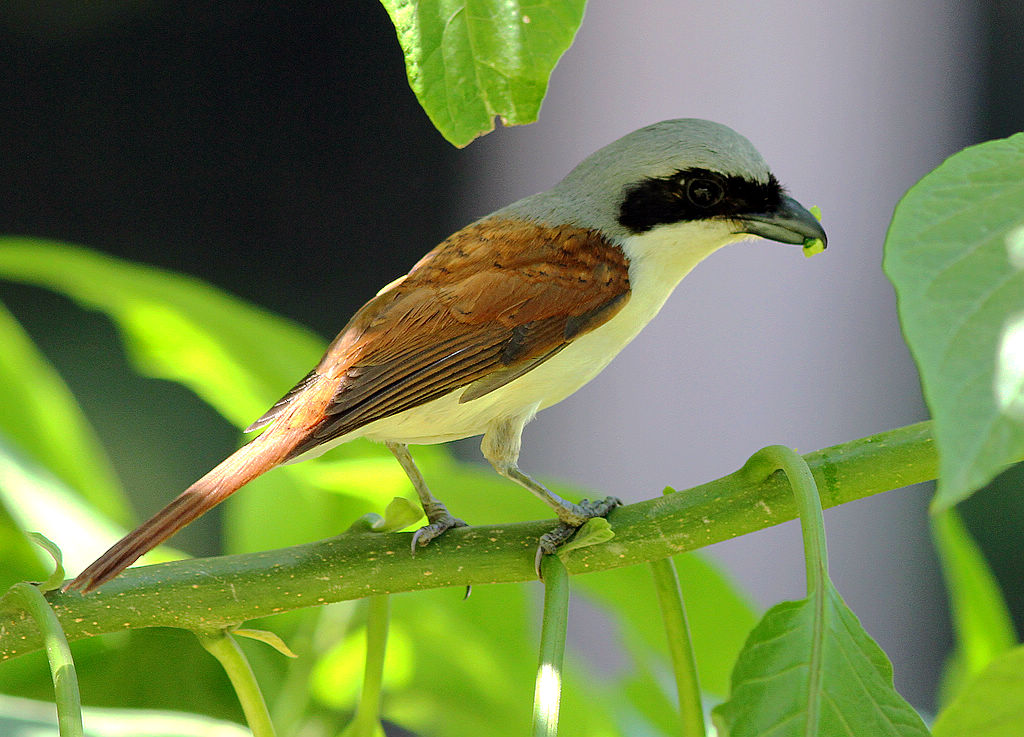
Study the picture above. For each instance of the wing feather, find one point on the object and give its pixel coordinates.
(486, 306)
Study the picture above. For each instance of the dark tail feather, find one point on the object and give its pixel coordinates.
(245, 464)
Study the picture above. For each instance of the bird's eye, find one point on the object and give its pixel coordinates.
(704, 192)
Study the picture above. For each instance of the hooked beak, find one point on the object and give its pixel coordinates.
(789, 223)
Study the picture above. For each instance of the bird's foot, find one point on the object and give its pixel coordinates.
(439, 521)
(571, 518)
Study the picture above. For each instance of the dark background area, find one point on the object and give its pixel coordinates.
(277, 152)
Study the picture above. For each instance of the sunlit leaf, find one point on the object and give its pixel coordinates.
(56, 578)
(267, 638)
(21, 559)
(471, 60)
(38, 501)
(237, 357)
(338, 673)
(23, 717)
(39, 413)
(778, 689)
(955, 254)
(399, 514)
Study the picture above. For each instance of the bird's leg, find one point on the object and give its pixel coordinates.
(500, 446)
(439, 520)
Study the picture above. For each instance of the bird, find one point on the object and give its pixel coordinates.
(508, 316)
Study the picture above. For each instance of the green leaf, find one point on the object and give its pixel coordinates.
(305, 503)
(37, 500)
(400, 513)
(238, 358)
(21, 559)
(25, 718)
(984, 628)
(594, 531)
(992, 705)
(235, 356)
(39, 413)
(268, 638)
(955, 254)
(338, 672)
(470, 60)
(775, 692)
(55, 579)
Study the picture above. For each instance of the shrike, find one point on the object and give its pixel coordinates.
(508, 316)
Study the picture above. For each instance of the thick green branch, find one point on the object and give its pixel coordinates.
(212, 593)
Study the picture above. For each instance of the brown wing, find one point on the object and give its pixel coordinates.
(487, 305)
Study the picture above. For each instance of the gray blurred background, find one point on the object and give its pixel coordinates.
(278, 153)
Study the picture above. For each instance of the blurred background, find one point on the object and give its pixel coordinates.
(277, 152)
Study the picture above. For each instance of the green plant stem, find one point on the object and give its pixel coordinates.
(62, 666)
(221, 645)
(812, 527)
(223, 591)
(547, 693)
(367, 719)
(680, 647)
(805, 491)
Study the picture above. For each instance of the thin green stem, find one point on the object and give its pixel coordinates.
(366, 722)
(548, 691)
(812, 526)
(805, 491)
(225, 649)
(680, 646)
(217, 592)
(62, 666)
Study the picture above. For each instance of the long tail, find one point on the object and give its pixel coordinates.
(251, 460)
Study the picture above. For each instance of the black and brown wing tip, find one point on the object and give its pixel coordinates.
(281, 404)
(120, 556)
(94, 576)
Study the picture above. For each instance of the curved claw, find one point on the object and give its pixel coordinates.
(586, 510)
(435, 529)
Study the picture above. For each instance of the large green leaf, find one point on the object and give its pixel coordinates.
(984, 628)
(955, 254)
(237, 357)
(992, 705)
(780, 689)
(470, 60)
(39, 413)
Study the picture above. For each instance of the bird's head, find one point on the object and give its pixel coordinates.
(676, 173)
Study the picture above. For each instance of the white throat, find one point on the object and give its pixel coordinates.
(660, 258)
